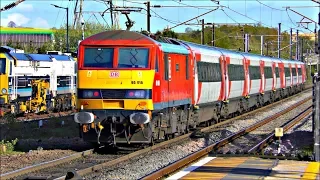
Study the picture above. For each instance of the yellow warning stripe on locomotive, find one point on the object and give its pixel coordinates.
(115, 79)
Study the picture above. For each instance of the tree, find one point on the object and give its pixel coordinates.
(47, 46)
(12, 24)
(169, 33)
(75, 35)
(30, 48)
(188, 30)
(10, 43)
(18, 46)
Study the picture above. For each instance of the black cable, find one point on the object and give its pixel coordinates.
(270, 6)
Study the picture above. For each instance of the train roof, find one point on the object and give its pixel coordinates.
(171, 48)
(237, 54)
(130, 37)
(41, 57)
(117, 36)
(169, 45)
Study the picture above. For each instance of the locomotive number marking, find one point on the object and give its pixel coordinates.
(89, 73)
(136, 82)
(114, 74)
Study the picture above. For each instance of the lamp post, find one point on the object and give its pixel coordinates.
(67, 9)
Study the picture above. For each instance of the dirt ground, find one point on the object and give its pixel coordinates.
(16, 161)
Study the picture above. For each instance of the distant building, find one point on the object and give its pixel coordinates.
(25, 36)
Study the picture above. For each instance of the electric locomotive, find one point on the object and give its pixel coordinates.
(134, 89)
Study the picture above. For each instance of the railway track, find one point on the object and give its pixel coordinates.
(94, 162)
(35, 118)
(253, 150)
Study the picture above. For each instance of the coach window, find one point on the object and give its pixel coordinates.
(236, 72)
(98, 57)
(287, 72)
(133, 58)
(299, 71)
(254, 72)
(294, 72)
(268, 72)
(209, 72)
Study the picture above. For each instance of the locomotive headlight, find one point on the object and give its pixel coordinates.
(83, 117)
(139, 118)
(137, 94)
(4, 91)
(90, 94)
(87, 94)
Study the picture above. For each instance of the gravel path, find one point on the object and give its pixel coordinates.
(147, 163)
(18, 161)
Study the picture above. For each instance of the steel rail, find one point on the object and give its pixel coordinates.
(205, 151)
(286, 126)
(97, 167)
(91, 169)
(28, 169)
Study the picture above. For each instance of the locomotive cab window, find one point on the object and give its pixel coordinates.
(98, 57)
(2, 65)
(133, 58)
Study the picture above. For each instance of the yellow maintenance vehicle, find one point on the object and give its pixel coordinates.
(37, 102)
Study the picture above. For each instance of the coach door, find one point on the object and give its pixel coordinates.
(167, 77)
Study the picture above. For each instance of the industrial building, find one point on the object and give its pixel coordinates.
(24, 36)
